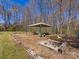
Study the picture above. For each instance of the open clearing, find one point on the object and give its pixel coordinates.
(11, 49)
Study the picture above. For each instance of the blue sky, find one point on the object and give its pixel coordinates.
(26, 3)
(22, 2)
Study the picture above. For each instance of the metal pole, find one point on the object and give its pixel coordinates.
(40, 31)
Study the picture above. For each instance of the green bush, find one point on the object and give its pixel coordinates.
(10, 28)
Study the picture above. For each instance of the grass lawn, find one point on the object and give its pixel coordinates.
(9, 50)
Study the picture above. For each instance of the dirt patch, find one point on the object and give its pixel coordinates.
(31, 41)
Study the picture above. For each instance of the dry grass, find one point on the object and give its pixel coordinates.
(8, 49)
